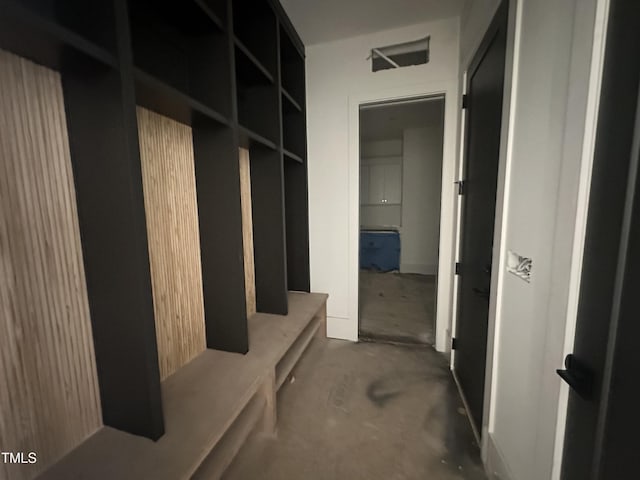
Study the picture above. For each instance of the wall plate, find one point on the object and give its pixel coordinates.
(519, 266)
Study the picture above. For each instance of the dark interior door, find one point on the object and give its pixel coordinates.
(483, 123)
(601, 437)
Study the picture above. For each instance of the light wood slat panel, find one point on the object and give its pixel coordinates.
(168, 174)
(247, 231)
(49, 399)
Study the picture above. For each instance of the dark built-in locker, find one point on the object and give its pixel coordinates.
(233, 70)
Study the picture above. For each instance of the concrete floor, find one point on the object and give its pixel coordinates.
(397, 306)
(365, 411)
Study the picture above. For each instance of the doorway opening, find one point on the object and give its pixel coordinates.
(401, 158)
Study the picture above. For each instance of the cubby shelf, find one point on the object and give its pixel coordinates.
(289, 102)
(249, 137)
(156, 95)
(252, 70)
(215, 17)
(33, 35)
(292, 156)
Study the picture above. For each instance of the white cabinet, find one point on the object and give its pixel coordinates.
(376, 184)
(364, 184)
(393, 184)
(381, 184)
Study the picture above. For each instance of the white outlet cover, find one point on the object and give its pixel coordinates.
(519, 265)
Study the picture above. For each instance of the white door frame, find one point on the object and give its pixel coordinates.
(448, 205)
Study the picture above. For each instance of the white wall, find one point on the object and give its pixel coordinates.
(381, 148)
(378, 216)
(421, 191)
(539, 199)
(339, 79)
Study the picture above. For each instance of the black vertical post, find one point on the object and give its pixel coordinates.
(293, 121)
(258, 113)
(220, 216)
(267, 203)
(295, 182)
(100, 105)
(217, 171)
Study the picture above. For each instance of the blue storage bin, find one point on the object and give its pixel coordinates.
(379, 250)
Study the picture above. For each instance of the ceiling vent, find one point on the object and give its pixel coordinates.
(400, 55)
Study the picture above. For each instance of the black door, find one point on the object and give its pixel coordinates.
(483, 122)
(601, 439)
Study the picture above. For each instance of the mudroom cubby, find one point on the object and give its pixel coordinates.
(127, 119)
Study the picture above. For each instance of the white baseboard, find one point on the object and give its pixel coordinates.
(342, 328)
(420, 269)
(495, 465)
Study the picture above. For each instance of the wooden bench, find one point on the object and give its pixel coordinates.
(211, 405)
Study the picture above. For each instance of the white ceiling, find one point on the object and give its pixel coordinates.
(319, 21)
(386, 122)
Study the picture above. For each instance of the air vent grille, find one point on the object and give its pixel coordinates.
(400, 55)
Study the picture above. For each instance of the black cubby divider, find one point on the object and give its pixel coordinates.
(294, 148)
(294, 132)
(267, 204)
(219, 212)
(297, 224)
(103, 141)
(222, 67)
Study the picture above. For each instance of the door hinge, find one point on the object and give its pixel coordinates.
(461, 185)
(454, 343)
(465, 101)
(458, 269)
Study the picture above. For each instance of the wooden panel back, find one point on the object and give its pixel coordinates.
(247, 232)
(49, 398)
(166, 152)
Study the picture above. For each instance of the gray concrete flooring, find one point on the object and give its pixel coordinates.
(397, 306)
(365, 411)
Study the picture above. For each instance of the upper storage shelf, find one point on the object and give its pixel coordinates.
(255, 26)
(256, 61)
(257, 98)
(182, 44)
(56, 33)
(93, 20)
(292, 69)
(250, 69)
(215, 9)
(168, 101)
